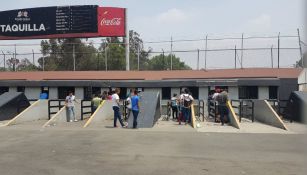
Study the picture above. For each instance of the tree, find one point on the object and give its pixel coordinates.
(21, 65)
(58, 54)
(162, 62)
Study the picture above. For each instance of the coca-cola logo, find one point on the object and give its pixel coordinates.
(111, 22)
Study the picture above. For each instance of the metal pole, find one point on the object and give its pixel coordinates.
(242, 51)
(33, 58)
(278, 47)
(43, 63)
(74, 56)
(127, 42)
(206, 47)
(272, 63)
(235, 56)
(98, 63)
(15, 59)
(138, 56)
(106, 57)
(4, 60)
(300, 44)
(197, 59)
(171, 53)
(163, 58)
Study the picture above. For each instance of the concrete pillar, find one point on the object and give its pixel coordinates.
(79, 92)
(263, 92)
(203, 93)
(53, 93)
(32, 92)
(233, 92)
(12, 89)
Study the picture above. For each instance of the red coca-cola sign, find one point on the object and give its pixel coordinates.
(111, 21)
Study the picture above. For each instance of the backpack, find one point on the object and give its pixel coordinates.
(186, 101)
(173, 103)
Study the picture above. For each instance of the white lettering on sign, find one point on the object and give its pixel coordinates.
(110, 22)
(22, 28)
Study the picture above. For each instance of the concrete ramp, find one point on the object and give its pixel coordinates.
(61, 117)
(233, 117)
(264, 113)
(37, 111)
(150, 110)
(104, 112)
(10, 103)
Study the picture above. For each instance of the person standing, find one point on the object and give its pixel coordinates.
(187, 100)
(174, 105)
(222, 99)
(135, 102)
(96, 101)
(116, 109)
(70, 107)
(129, 106)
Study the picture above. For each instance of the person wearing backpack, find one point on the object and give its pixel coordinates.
(222, 99)
(174, 105)
(187, 101)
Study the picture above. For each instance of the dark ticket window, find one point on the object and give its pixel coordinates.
(3, 89)
(63, 91)
(87, 93)
(123, 93)
(273, 92)
(21, 89)
(248, 92)
(166, 93)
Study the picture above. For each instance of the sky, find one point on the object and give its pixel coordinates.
(157, 20)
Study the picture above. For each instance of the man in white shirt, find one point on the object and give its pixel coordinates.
(187, 101)
(70, 107)
(116, 109)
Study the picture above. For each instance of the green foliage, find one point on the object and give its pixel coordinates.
(58, 55)
(162, 62)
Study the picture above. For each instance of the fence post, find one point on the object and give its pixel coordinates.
(138, 56)
(242, 51)
(197, 59)
(235, 56)
(206, 47)
(74, 56)
(272, 63)
(171, 53)
(106, 57)
(3, 60)
(300, 44)
(278, 47)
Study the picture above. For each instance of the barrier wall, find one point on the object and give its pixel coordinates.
(234, 121)
(264, 113)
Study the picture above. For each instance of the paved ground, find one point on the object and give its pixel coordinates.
(125, 151)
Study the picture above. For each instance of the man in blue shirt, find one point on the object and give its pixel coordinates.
(135, 101)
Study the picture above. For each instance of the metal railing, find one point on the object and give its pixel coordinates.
(245, 109)
(84, 106)
(58, 106)
(280, 107)
(212, 109)
(201, 109)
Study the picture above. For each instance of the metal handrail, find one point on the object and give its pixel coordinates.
(86, 107)
(59, 106)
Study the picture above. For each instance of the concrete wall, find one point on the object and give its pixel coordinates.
(103, 113)
(233, 92)
(203, 93)
(79, 92)
(12, 89)
(234, 121)
(37, 111)
(302, 80)
(32, 92)
(265, 113)
(263, 92)
(53, 93)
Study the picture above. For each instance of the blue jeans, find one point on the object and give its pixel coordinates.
(135, 118)
(70, 113)
(223, 111)
(186, 114)
(117, 115)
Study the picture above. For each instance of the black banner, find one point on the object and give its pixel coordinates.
(48, 21)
